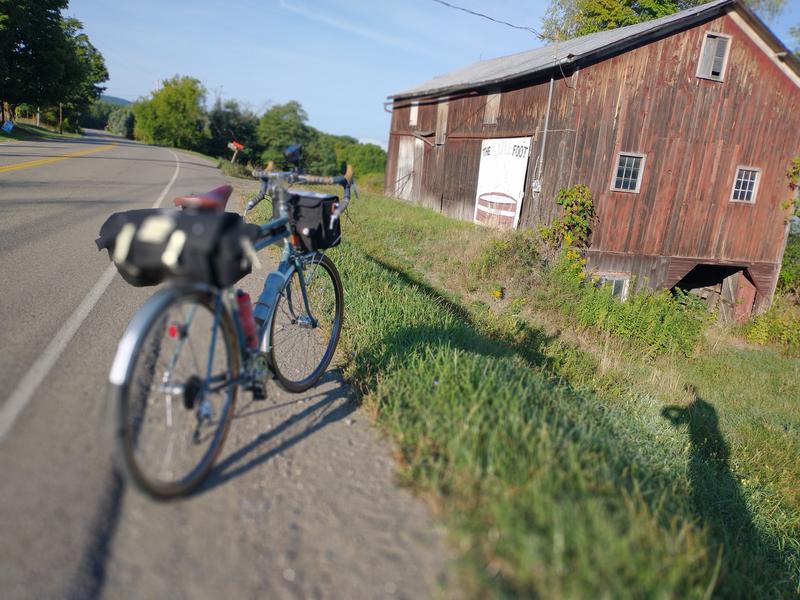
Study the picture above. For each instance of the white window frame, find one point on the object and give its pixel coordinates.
(755, 187)
(610, 278)
(638, 179)
(724, 70)
(493, 99)
(413, 114)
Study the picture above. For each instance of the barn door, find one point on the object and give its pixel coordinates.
(403, 182)
(410, 155)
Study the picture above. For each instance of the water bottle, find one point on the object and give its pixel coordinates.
(246, 319)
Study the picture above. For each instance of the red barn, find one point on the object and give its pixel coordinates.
(682, 127)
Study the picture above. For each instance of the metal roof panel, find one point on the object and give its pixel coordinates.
(496, 70)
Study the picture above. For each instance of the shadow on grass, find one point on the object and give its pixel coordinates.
(528, 342)
(751, 562)
(719, 504)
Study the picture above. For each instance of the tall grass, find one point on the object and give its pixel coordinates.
(552, 491)
(663, 473)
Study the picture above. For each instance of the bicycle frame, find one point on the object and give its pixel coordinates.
(275, 231)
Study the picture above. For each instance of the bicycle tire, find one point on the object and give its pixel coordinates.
(156, 333)
(290, 333)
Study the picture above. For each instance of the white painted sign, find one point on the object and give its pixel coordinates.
(501, 182)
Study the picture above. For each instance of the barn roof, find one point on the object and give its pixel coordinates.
(487, 73)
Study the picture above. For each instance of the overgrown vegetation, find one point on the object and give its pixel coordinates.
(780, 325)
(789, 278)
(568, 462)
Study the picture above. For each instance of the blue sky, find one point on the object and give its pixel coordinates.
(338, 58)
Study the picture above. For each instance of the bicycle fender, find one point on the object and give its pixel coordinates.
(131, 342)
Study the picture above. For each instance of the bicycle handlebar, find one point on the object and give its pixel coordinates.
(283, 178)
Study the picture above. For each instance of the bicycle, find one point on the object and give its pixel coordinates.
(176, 373)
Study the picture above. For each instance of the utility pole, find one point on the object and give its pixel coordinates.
(60, 118)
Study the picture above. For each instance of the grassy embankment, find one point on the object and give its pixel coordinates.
(28, 131)
(575, 449)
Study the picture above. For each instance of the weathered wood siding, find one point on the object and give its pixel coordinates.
(648, 100)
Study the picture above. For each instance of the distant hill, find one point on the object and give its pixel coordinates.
(114, 100)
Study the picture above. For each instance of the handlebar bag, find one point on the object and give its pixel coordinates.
(151, 245)
(310, 218)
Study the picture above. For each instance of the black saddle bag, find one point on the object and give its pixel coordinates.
(310, 218)
(151, 245)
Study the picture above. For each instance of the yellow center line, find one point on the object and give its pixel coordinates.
(52, 159)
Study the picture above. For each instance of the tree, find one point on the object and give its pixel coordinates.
(121, 121)
(96, 115)
(174, 115)
(46, 59)
(84, 70)
(280, 126)
(566, 19)
(229, 121)
(365, 158)
(31, 44)
(795, 33)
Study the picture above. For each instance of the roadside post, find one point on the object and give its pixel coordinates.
(235, 146)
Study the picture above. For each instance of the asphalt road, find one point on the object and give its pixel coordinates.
(302, 503)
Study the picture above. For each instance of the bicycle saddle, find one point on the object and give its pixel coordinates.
(214, 200)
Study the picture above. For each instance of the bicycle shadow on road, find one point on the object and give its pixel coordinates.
(327, 408)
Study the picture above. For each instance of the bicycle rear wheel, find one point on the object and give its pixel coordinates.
(302, 342)
(175, 405)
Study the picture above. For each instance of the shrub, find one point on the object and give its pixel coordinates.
(653, 322)
(235, 169)
(574, 227)
(516, 255)
(779, 326)
(789, 278)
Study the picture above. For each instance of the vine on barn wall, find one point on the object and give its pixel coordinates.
(572, 231)
(793, 175)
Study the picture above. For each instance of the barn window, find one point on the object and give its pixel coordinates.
(714, 56)
(745, 185)
(628, 175)
(413, 114)
(618, 284)
(492, 109)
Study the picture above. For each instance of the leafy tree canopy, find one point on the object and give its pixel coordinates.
(229, 121)
(121, 120)
(571, 18)
(282, 125)
(174, 115)
(46, 59)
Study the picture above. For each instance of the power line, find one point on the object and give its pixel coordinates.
(501, 22)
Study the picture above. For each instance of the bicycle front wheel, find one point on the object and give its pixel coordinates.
(305, 328)
(175, 402)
